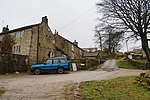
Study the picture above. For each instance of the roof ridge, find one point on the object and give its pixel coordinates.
(19, 29)
(69, 41)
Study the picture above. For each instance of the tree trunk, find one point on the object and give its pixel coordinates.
(145, 47)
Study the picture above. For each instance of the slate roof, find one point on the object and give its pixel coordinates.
(19, 29)
(68, 41)
(90, 54)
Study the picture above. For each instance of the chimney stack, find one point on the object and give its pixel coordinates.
(75, 43)
(56, 32)
(45, 20)
(5, 29)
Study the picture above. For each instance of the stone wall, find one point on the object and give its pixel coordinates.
(10, 63)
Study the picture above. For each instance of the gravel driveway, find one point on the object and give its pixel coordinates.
(51, 86)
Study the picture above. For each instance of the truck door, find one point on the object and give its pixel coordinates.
(56, 63)
(48, 65)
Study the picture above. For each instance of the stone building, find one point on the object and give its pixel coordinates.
(91, 55)
(36, 41)
(90, 49)
(64, 47)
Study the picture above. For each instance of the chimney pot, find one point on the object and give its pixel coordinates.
(5, 29)
(55, 31)
(75, 43)
(45, 20)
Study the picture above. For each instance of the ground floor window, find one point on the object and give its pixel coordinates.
(17, 49)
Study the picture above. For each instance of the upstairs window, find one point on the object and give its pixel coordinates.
(72, 57)
(19, 34)
(72, 47)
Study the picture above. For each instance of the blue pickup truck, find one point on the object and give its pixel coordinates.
(59, 64)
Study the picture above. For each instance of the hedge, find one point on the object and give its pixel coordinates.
(89, 64)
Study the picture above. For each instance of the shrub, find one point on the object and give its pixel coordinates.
(138, 64)
(89, 64)
(92, 64)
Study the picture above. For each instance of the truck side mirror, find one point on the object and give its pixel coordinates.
(44, 63)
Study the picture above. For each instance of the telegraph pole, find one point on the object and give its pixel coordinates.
(127, 46)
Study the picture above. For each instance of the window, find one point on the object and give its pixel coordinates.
(72, 55)
(17, 49)
(51, 54)
(19, 34)
(55, 61)
(72, 47)
(49, 61)
(62, 61)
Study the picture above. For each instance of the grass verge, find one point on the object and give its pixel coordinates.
(133, 64)
(124, 64)
(122, 88)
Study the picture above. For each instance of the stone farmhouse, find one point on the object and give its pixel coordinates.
(38, 42)
(66, 48)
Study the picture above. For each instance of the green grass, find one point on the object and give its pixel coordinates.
(124, 64)
(2, 91)
(141, 61)
(122, 88)
(133, 64)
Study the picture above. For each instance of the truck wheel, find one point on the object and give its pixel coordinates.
(37, 71)
(60, 70)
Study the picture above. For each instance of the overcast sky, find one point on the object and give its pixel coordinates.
(73, 19)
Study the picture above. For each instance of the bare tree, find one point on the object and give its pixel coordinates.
(133, 15)
(109, 38)
(7, 43)
(99, 38)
